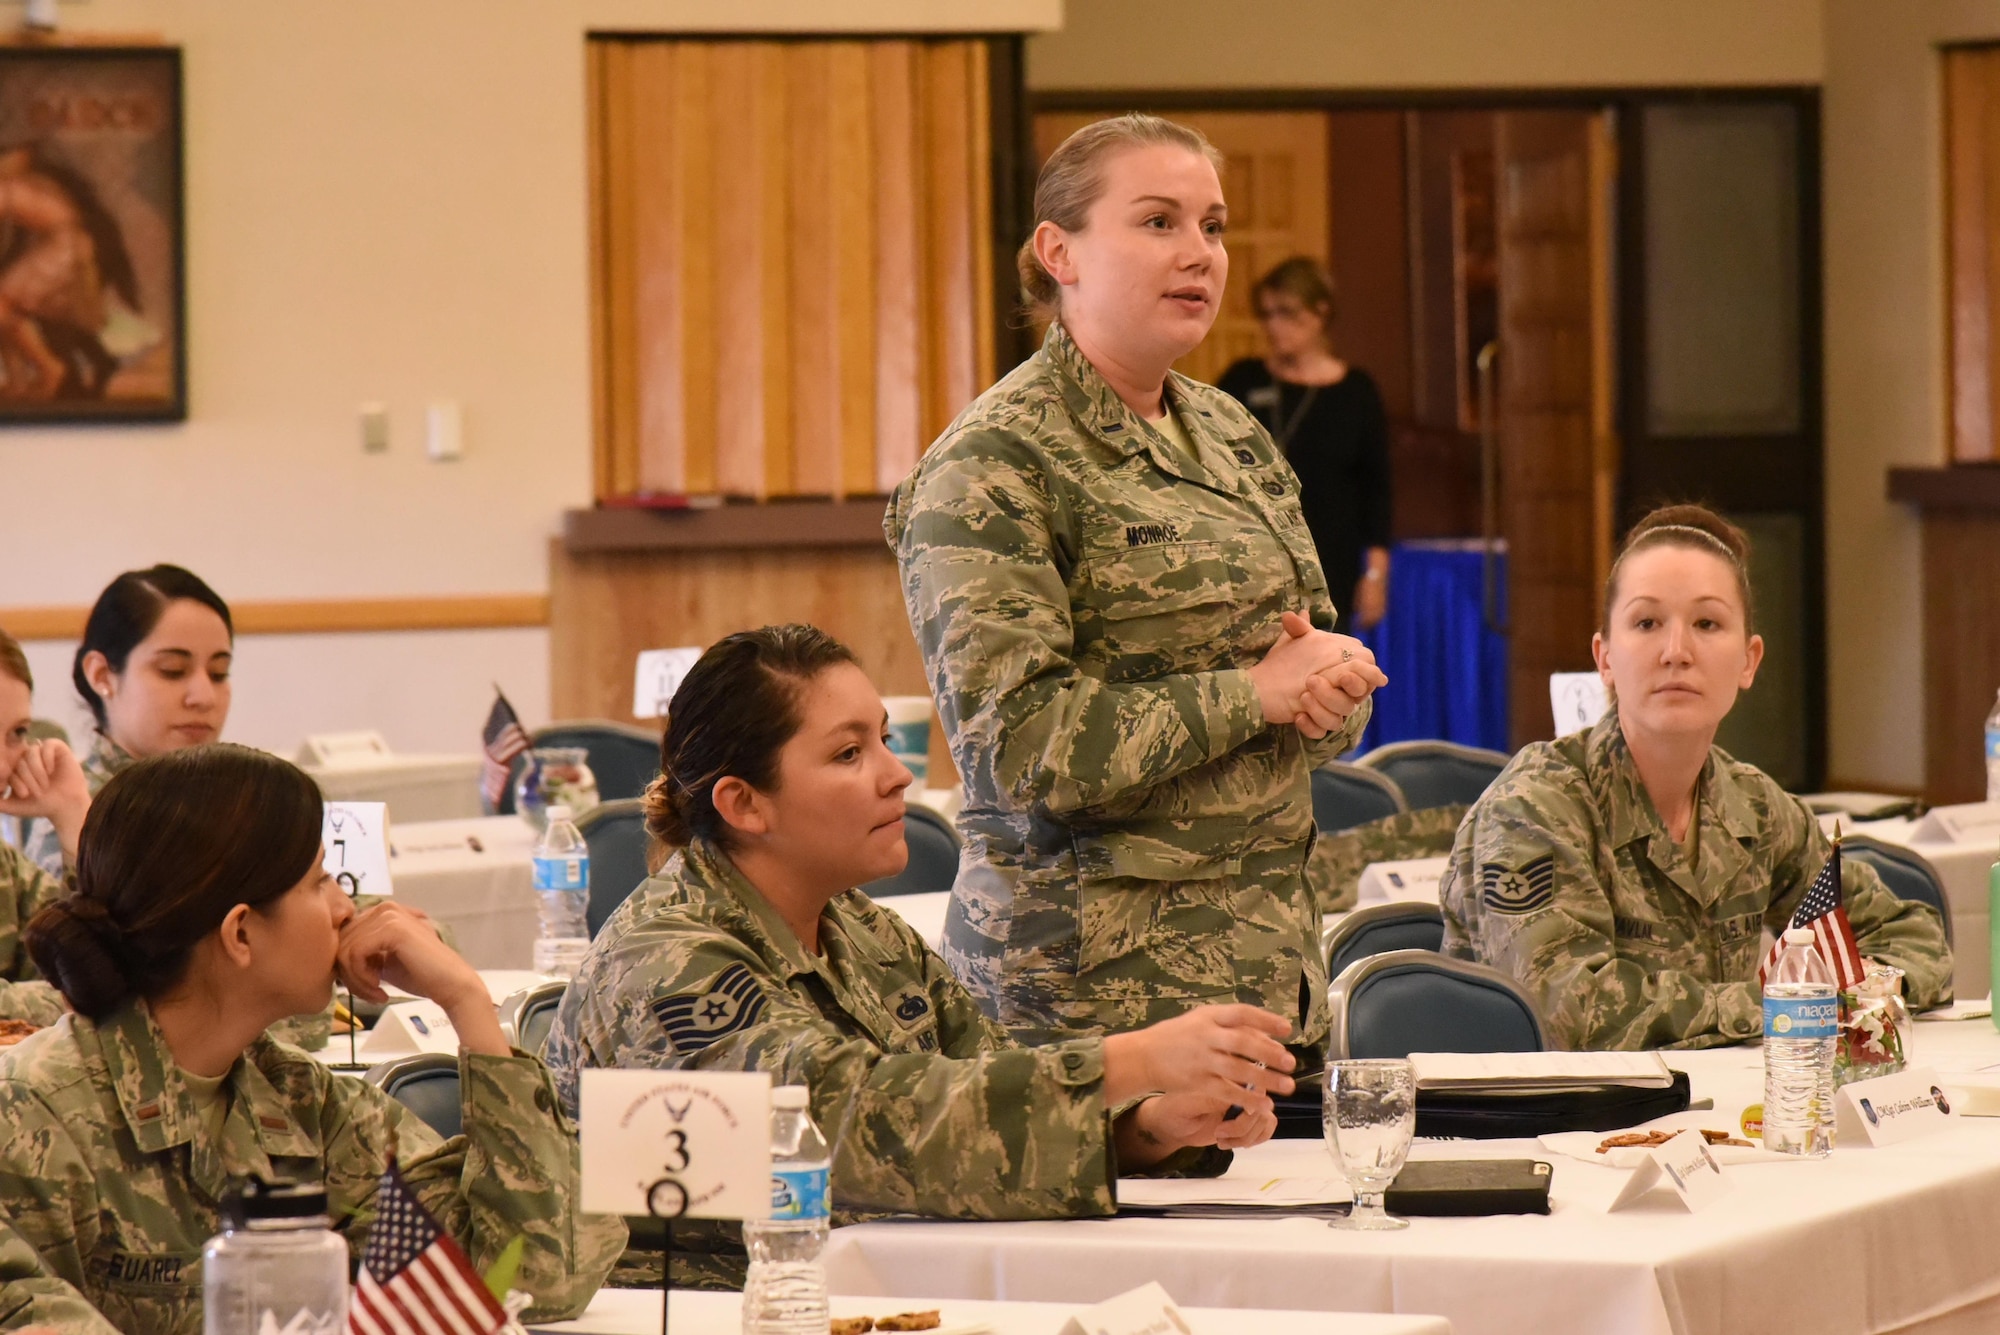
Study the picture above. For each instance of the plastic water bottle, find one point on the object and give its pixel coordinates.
(1993, 753)
(785, 1291)
(562, 894)
(1801, 1026)
(275, 1265)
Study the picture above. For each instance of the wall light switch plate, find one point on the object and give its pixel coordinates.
(445, 438)
(374, 428)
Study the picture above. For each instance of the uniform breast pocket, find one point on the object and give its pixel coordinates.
(152, 1290)
(1161, 608)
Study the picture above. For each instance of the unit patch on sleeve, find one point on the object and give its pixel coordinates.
(693, 1020)
(1518, 890)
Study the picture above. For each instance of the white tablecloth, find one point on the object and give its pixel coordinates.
(1964, 868)
(475, 877)
(1897, 1239)
(637, 1312)
(417, 788)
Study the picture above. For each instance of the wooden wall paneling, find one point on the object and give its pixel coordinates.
(945, 84)
(852, 224)
(1971, 149)
(739, 277)
(693, 166)
(1368, 214)
(657, 211)
(614, 257)
(899, 264)
(813, 242)
(772, 62)
(1961, 648)
(979, 144)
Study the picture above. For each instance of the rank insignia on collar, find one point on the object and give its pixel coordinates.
(1518, 890)
(693, 1020)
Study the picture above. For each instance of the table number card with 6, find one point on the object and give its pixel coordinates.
(1687, 1165)
(676, 1143)
(356, 835)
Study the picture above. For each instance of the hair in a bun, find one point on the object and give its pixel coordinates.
(170, 846)
(1694, 528)
(729, 718)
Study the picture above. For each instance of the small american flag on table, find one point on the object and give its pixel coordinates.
(1833, 935)
(502, 739)
(414, 1279)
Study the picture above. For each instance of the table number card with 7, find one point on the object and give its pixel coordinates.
(356, 835)
(676, 1143)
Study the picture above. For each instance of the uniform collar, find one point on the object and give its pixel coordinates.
(1099, 410)
(160, 1112)
(106, 758)
(1725, 815)
(710, 873)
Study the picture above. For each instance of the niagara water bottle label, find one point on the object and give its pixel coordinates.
(799, 1193)
(561, 873)
(1801, 1017)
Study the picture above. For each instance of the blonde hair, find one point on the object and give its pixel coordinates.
(1073, 178)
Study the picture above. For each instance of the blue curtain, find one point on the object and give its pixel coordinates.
(1447, 672)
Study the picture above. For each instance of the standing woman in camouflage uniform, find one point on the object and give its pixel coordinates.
(154, 669)
(1625, 874)
(752, 951)
(1117, 597)
(39, 779)
(201, 915)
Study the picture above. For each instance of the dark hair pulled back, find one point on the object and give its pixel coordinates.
(729, 718)
(126, 613)
(170, 846)
(14, 662)
(1693, 528)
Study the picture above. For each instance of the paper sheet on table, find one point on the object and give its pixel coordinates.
(1538, 1072)
(1973, 1008)
(1583, 1144)
(1167, 1192)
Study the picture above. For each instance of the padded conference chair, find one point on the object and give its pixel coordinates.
(1436, 774)
(1381, 928)
(623, 758)
(933, 856)
(1416, 1001)
(616, 835)
(427, 1084)
(1347, 795)
(1907, 873)
(526, 1016)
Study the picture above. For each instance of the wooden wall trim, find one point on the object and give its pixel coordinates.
(757, 526)
(321, 617)
(1964, 487)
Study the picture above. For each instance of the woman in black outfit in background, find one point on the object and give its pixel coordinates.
(1327, 417)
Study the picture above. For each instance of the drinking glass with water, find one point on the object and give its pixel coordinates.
(1370, 1115)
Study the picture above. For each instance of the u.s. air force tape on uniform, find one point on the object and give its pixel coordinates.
(676, 1143)
(693, 1020)
(1518, 890)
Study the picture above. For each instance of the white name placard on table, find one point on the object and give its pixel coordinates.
(657, 677)
(1686, 1165)
(1413, 880)
(1146, 1310)
(674, 1143)
(1967, 823)
(1578, 700)
(356, 835)
(408, 1027)
(1893, 1108)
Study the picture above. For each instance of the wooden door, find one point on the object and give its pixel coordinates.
(1275, 180)
(1558, 463)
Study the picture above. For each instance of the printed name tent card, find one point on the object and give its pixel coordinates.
(676, 1143)
(1146, 1310)
(1686, 1165)
(356, 835)
(1892, 1108)
(1578, 700)
(411, 1026)
(657, 677)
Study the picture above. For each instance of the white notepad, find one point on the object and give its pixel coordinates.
(1538, 1072)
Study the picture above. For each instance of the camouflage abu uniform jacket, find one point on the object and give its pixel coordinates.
(1087, 599)
(104, 759)
(30, 1297)
(24, 887)
(109, 1171)
(930, 1107)
(1565, 877)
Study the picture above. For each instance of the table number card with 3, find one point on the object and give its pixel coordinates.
(674, 1143)
(356, 835)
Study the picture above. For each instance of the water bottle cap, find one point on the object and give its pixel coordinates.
(1798, 936)
(789, 1097)
(559, 811)
(253, 1201)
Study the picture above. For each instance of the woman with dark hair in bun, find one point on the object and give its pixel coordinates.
(751, 951)
(153, 667)
(202, 915)
(1626, 874)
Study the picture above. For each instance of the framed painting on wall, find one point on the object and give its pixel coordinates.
(92, 261)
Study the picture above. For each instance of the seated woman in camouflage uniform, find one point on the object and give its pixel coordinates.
(1626, 874)
(38, 779)
(750, 951)
(153, 667)
(201, 915)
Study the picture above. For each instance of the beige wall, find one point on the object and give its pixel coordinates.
(1428, 43)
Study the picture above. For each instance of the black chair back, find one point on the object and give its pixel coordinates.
(427, 1084)
(1415, 1001)
(1907, 873)
(1437, 774)
(1381, 928)
(616, 834)
(1347, 795)
(933, 856)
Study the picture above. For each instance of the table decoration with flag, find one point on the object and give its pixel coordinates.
(414, 1279)
(1822, 911)
(504, 739)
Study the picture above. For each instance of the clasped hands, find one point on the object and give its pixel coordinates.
(1314, 679)
(48, 781)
